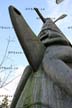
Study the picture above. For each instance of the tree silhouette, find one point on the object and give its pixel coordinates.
(5, 102)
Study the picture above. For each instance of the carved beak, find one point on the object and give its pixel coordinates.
(32, 46)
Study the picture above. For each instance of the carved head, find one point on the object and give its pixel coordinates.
(51, 35)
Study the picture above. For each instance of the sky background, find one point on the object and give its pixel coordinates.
(12, 58)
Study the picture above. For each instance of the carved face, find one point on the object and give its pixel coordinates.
(51, 34)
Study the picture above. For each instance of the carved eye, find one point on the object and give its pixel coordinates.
(69, 64)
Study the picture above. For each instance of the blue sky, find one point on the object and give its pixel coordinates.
(7, 50)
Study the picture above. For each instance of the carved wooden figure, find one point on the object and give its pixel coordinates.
(47, 81)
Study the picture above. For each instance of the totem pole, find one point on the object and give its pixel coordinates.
(47, 81)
